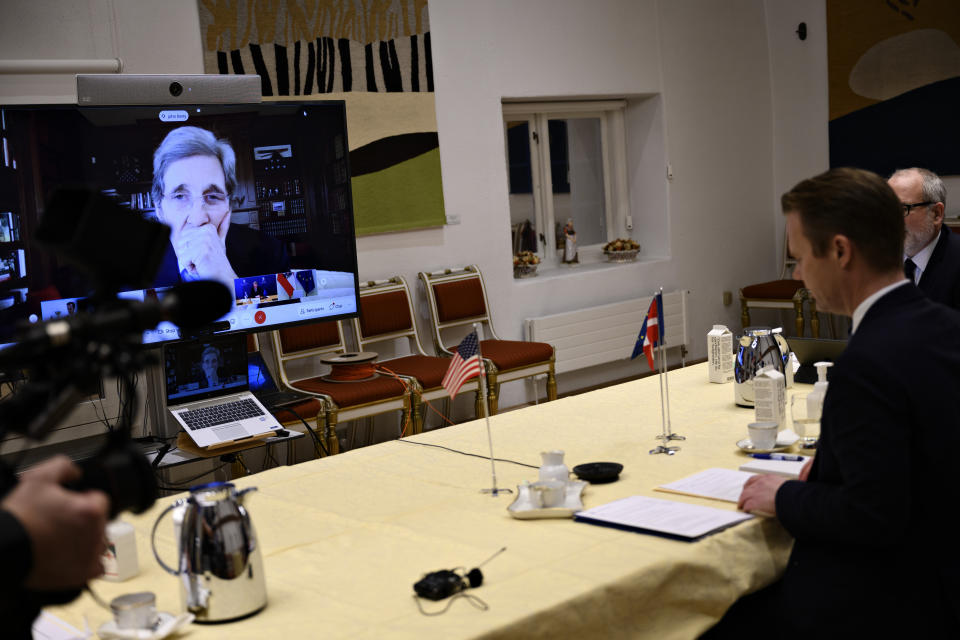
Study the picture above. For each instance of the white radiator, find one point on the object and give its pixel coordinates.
(607, 333)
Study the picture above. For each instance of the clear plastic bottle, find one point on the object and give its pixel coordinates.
(808, 428)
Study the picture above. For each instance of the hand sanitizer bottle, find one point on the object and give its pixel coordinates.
(815, 398)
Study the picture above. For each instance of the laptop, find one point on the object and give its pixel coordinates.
(812, 350)
(208, 391)
(263, 386)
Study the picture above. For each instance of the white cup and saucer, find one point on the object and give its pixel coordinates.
(136, 618)
(762, 437)
(547, 494)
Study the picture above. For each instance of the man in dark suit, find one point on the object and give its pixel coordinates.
(873, 555)
(931, 252)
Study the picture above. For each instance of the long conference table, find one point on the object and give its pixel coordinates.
(345, 537)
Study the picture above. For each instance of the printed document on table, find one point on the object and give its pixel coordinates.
(675, 519)
(716, 484)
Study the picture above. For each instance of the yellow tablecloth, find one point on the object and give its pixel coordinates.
(344, 538)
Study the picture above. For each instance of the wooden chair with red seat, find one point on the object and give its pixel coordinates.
(386, 315)
(341, 401)
(783, 293)
(457, 299)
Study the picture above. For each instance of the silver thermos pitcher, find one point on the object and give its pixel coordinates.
(757, 348)
(220, 565)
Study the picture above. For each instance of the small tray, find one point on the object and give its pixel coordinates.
(523, 508)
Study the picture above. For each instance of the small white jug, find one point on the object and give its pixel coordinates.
(553, 467)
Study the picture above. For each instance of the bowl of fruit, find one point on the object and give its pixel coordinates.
(525, 264)
(621, 250)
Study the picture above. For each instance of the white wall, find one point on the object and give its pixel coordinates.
(798, 75)
(148, 37)
(744, 108)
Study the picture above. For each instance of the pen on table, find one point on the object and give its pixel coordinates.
(777, 456)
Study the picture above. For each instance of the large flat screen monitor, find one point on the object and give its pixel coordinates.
(256, 196)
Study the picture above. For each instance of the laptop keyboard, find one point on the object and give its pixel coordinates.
(220, 414)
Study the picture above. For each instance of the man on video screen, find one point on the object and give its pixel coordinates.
(194, 180)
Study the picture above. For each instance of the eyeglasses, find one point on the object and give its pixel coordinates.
(908, 207)
(184, 200)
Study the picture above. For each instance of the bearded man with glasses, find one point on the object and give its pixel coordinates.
(931, 251)
(194, 180)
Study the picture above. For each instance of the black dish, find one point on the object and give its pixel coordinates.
(598, 472)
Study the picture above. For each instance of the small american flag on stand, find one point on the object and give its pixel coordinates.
(464, 365)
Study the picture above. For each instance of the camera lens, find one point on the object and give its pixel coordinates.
(176, 88)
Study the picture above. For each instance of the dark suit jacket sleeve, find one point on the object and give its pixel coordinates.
(941, 279)
(861, 494)
(17, 553)
(18, 606)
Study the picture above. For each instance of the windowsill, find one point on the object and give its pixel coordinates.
(563, 270)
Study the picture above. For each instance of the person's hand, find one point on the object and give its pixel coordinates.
(805, 471)
(202, 251)
(759, 494)
(67, 528)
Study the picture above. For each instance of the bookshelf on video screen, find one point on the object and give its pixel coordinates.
(256, 196)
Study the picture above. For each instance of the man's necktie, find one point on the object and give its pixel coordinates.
(909, 269)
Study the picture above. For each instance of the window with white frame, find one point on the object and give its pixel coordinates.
(567, 172)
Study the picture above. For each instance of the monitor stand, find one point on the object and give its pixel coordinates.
(157, 420)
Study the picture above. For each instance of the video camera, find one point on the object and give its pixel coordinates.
(113, 248)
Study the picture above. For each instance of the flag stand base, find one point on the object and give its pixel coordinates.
(662, 449)
(494, 492)
(671, 436)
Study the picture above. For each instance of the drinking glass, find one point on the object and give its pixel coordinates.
(806, 423)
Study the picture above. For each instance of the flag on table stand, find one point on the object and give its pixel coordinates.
(464, 365)
(651, 333)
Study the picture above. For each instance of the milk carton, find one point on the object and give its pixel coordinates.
(720, 354)
(770, 397)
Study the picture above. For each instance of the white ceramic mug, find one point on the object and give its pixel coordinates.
(763, 435)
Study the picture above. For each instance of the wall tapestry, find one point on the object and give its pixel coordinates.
(894, 78)
(375, 55)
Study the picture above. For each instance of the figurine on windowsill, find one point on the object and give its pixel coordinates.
(570, 243)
